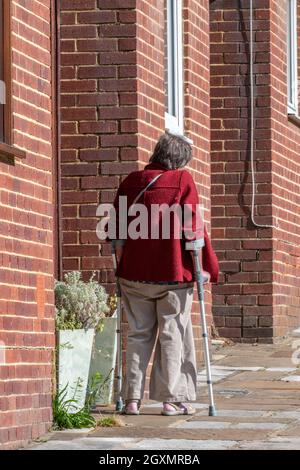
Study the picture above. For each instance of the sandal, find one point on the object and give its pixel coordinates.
(176, 409)
(132, 407)
(187, 408)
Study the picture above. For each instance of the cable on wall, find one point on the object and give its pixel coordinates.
(252, 126)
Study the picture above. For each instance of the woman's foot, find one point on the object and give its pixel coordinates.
(171, 409)
(132, 407)
(178, 408)
(187, 408)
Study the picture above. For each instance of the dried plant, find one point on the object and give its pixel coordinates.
(79, 304)
(112, 304)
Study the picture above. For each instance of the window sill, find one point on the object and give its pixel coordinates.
(179, 133)
(10, 151)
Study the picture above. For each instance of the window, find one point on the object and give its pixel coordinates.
(292, 59)
(5, 66)
(173, 65)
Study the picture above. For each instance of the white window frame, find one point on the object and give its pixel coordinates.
(174, 122)
(292, 58)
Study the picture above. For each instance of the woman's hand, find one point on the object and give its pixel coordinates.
(206, 277)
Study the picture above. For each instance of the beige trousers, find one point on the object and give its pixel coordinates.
(166, 310)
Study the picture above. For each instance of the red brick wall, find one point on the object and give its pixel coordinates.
(286, 187)
(26, 238)
(258, 299)
(99, 119)
(112, 95)
(243, 305)
(112, 57)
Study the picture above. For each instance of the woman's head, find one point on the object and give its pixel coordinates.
(172, 151)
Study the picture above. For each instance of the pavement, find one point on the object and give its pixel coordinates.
(257, 394)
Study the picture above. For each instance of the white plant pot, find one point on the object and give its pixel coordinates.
(103, 359)
(74, 356)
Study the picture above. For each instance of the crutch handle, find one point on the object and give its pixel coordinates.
(194, 246)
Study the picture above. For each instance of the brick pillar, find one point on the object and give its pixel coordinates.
(243, 305)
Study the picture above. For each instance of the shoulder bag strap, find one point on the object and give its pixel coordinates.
(147, 187)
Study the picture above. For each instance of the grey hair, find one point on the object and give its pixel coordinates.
(172, 151)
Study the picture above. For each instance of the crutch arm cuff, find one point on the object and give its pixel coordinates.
(195, 245)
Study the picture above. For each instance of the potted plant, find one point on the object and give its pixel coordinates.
(80, 306)
(104, 354)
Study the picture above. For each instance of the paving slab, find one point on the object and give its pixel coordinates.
(67, 436)
(241, 413)
(272, 444)
(264, 374)
(150, 418)
(244, 419)
(185, 444)
(202, 381)
(240, 349)
(296, 333)
(215, 377)
(204, 425)
(230, 392)
(262, 404)
(262, 384)
(219, 370)
(291, 378)
(264, 362)
(282, 396)
(237, 368)
(291, 431)
(112, 443)
(179, 433)
(295, 414)
(272, 426)
(218, 357)
(159, 406)
(282, 355)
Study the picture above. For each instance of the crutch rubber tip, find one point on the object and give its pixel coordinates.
(212, 411)
(119, 405)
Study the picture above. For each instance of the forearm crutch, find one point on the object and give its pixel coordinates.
(194, 247)
(119, 400)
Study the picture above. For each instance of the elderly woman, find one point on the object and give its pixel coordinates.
(156, 281)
